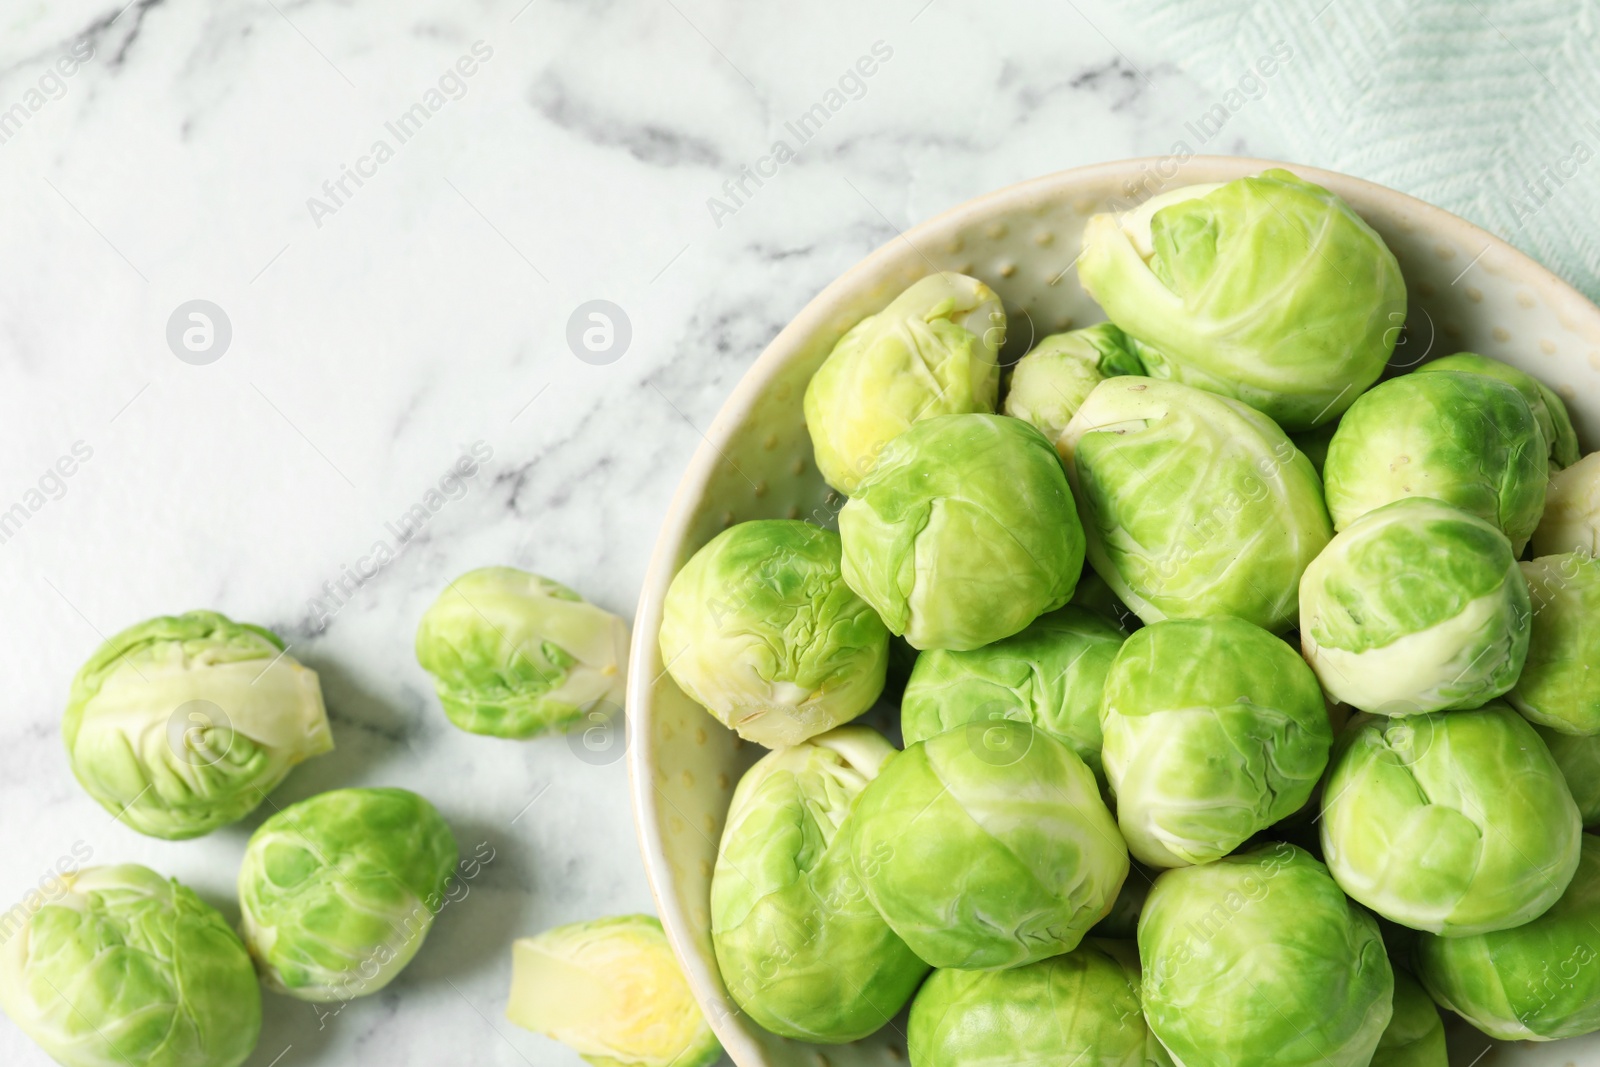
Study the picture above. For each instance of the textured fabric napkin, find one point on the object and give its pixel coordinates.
(1488, 109)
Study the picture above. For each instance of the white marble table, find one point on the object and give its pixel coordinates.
(377, 330)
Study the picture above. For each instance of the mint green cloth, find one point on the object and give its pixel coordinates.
(1487, 108)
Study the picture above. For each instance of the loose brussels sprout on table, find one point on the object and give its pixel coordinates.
(1536, 982)
(128, 967)
(1051, 675)
(1267, 289)
(1571, 521)
(611, 991)
(338, 891)
(988, 846)
(185, 723)
(935, 350)
(1259, 959)
(1416, 607)
(800, 946)
(514, 654)
(964, 533)
(760, 628)
(1548, 409)
(1193, 504)
(1415, 1036)
(1560, 682)
(1457, 823)
(1051, 382)
(1214, 730)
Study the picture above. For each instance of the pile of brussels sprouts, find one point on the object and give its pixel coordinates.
(1305, 749)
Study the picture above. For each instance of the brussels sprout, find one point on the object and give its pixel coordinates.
(1417, 607)
(1079, 1009)
(513, 654)
(760, 627)
(988, 846)
(1415, 1037)
(935, 350)
(1194, 505)
(1571, 521)
(1554, 422)
(1258, 959)
(185, 723)
(1051, 674)
(610, 990)
(1051, 382)
(1464, 439)
(801, 948)
(1537, 982)
(1579, 760)
(1560, 686)
(338, 891)
(1214, 730)
(126, 967)
(1267, 289)
(1122, 921)
(1457, 823)
(964, 533)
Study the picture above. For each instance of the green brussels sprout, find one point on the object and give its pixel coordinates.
(800, 947)
(1122, 921)
(964, 533)
(1080, 1009)
(1314, 443)
(1269, 289)
(760, 628)
(1416, 607)
(1579, 759)
(935, 350)
(1464, 439)
(1537, 982)
(338, 891)
(123, 966)
(611, 991)
(1258, 959)
(1193, 504)
(1457, 823)
(185, 723)
(1051, 382)
(513, 654)
(1551, 413)
(1051, 674)
(1560, 684)
(1214, 730)
(1571, 520)
(1415, 1037)
(988, 846)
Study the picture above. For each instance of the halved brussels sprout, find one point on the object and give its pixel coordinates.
(611, 991)
(1537, 982)
(1193, 504)
(127, 967)
(964, 533)
(1416, 607)
(1258, 959)
(338, 891)
(1079, 1009)
(1554, 422)
(1560, 683)
(1051, 674)
(1051, 382)
(760, 628)
(1179, 695)
(1579, 760)
(185, 723)
(1464, 439)
(1268, 289)
(1457, 823)
(1415, 1037)
(1571, 520)
(513, 654)
(801, 948)
(988, 846)
(935, 350)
